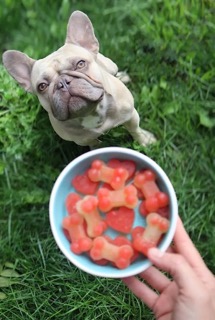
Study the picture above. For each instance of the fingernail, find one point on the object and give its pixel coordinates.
(155, 253)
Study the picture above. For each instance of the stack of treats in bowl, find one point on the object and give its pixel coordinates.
(108, 207)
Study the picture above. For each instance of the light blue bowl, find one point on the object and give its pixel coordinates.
(62, 187)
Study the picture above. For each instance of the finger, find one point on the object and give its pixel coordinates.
(184, 245)
(155, 278)
(177, 266)
(141, 291)
(171, 249)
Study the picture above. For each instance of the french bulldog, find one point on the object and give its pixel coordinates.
(78, 87)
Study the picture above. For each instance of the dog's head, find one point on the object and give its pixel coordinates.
(69, 81)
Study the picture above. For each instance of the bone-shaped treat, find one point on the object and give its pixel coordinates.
(156, 202)
(99, 171)
(120, 256)
(145, 181)
(71, 201)
(154, 198)
(108, 199)
(88, 208)
(74, 225)
(150, 237)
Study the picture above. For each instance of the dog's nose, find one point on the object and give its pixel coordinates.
(63, 83)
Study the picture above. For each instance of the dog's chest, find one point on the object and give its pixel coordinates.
(96, 118)
(91, 121)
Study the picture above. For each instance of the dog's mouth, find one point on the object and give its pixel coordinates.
(74, 96)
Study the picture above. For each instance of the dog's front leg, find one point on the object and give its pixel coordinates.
(142, 136)
(94, 144)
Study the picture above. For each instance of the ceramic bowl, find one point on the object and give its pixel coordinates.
(63, 186)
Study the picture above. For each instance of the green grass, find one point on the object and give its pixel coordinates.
(168, 49)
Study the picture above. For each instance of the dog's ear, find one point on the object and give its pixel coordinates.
(19, 66)
(80, 32)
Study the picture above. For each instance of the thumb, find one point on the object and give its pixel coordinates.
(177, 266)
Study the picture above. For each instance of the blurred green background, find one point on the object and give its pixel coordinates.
(168, 49)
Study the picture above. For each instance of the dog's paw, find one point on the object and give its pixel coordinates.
(123, 76)
(95, 144)
(145, 138)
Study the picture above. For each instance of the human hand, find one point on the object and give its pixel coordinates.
(191, 293)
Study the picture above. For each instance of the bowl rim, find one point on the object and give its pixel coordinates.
(125, 151)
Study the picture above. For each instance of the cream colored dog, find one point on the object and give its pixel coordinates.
(78, 87)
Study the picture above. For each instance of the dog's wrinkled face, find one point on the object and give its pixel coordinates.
(68, 82)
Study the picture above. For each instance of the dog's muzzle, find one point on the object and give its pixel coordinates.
(75, 96)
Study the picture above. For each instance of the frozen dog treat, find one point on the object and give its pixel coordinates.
(71, 201)
(145, 181)
(150, 237)
(88, 208)
(154, 199)
(120, 255)
(120, 219)
(128, 165)
(108, 199)
(159, 200)
(84, 185)
(99, 171)
(74, 225)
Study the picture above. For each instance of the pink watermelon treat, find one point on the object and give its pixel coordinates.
(84, 185)
(120, 219)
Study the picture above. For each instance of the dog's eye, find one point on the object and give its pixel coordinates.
(42, 86)
(80, 64)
